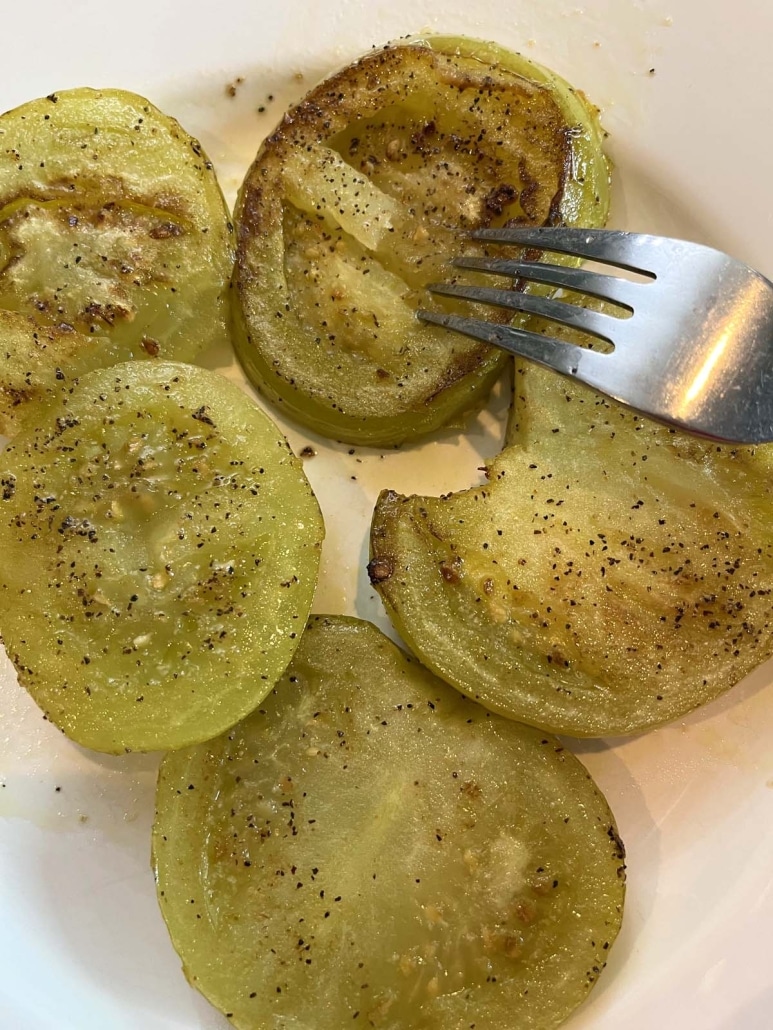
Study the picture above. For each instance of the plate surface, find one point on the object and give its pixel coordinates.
(684, 88)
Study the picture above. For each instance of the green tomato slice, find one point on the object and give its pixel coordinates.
(359, 199)
(112, 224)
(369, 848)
(611, 575)
(160, 551)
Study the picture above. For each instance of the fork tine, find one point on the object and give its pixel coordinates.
(606, 327)
(607, 287)
(561, 357)
(633, 251)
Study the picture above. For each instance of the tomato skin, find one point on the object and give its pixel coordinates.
(362, 197)
(370, 842)
(161, 547)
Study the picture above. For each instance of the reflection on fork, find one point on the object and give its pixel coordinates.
(696, 351)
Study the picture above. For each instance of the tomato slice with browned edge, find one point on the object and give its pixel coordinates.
(363, 195)
(112, 224)
(609, 576)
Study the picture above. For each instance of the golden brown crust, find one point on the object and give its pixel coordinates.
(358, 201)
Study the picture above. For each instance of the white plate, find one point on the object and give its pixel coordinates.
(685, 89)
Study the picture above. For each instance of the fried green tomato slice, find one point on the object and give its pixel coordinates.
(359, 199)
(611, 575)
(112, 224)
(369, 848)
(160, 549)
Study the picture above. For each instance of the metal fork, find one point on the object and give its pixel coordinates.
(696, 351)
